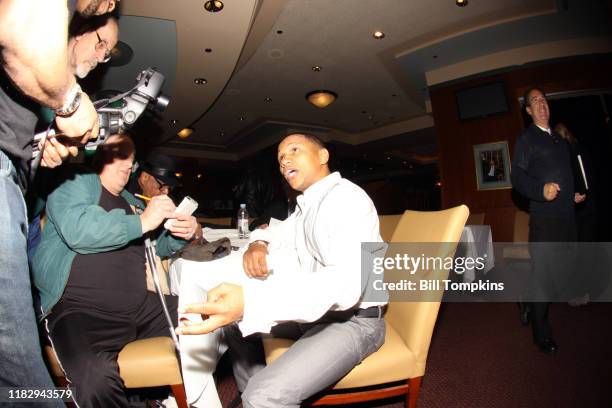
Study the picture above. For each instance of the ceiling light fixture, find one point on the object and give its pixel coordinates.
(200, 81)
(379, 35)
(178, 174)
(267, 99)
(461, 3)
(321, 99)
(185, 132)
(174, 121)
(316, 68)
(213, 6)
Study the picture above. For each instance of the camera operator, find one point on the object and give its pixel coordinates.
(34, 50)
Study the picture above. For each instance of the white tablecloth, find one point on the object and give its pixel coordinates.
(476, 242)
(210, 234)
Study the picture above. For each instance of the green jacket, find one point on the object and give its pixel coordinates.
(77, 224)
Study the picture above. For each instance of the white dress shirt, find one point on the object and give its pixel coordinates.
(315, 257)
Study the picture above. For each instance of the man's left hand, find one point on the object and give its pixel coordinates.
(225, 305)
(184, 226)
(55, 153)
(578, 198)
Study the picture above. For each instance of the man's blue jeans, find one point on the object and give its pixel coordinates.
(21, 363)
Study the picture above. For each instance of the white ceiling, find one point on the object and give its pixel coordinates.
(381, 84)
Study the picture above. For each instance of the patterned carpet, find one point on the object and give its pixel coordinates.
(481, 356)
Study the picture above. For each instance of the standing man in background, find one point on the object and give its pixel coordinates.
(35, 69)
(541, 171)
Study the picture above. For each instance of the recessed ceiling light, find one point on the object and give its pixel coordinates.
(200, 81)
(242, 118)
(174, 121)
(379, 35)
(199, 176)
(185, 132)
(267, 99)
(461, 3)
(316, 68)
(178, 174)
(213, 6)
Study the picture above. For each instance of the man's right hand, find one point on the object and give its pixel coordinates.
(83, 123)
(551, 190)
(254, 260)
(158, 209)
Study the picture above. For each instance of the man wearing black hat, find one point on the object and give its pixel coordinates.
(155, 176)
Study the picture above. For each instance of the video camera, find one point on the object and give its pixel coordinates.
(146, 91)
(133, 103)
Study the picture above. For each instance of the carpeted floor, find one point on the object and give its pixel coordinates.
(481, 356)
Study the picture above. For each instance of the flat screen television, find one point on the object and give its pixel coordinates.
(481, 101)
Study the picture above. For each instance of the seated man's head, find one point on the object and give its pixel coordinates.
(303, 160)
(91, 41)
(113, 162)
(90, 8)
(157, 175)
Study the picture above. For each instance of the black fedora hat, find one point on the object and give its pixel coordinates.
(161, 167)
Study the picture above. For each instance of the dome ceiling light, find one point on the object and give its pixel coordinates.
(322, 98)
(185, 132)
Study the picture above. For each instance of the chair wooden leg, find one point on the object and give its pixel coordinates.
(178, 390)
(413, 392)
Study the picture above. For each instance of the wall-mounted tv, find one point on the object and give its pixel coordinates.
(483, 100)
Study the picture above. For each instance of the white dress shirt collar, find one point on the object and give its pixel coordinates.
(545, 130)
(315, 191)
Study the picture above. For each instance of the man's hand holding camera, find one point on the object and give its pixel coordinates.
(81, 123)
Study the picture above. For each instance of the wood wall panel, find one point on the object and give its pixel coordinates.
(455, 138)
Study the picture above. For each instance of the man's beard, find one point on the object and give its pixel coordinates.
(82, 70)
(91, 8)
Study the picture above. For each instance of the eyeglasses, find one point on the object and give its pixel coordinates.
(162, 186)
(102, 45)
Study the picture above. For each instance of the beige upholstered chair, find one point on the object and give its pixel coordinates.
(519, 236)
(387, 225)
(142, 363)
(399, 365)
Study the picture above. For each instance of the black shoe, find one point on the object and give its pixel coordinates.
(525, 313)
(547, 346)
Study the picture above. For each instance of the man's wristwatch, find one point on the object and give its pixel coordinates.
(72, 101)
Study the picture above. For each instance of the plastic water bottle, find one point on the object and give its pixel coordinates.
(243, 222)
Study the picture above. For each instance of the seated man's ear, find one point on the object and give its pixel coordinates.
(323, 156)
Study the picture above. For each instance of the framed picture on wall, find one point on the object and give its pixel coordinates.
(492, 162)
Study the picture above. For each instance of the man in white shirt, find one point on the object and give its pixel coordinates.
(306, 283)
